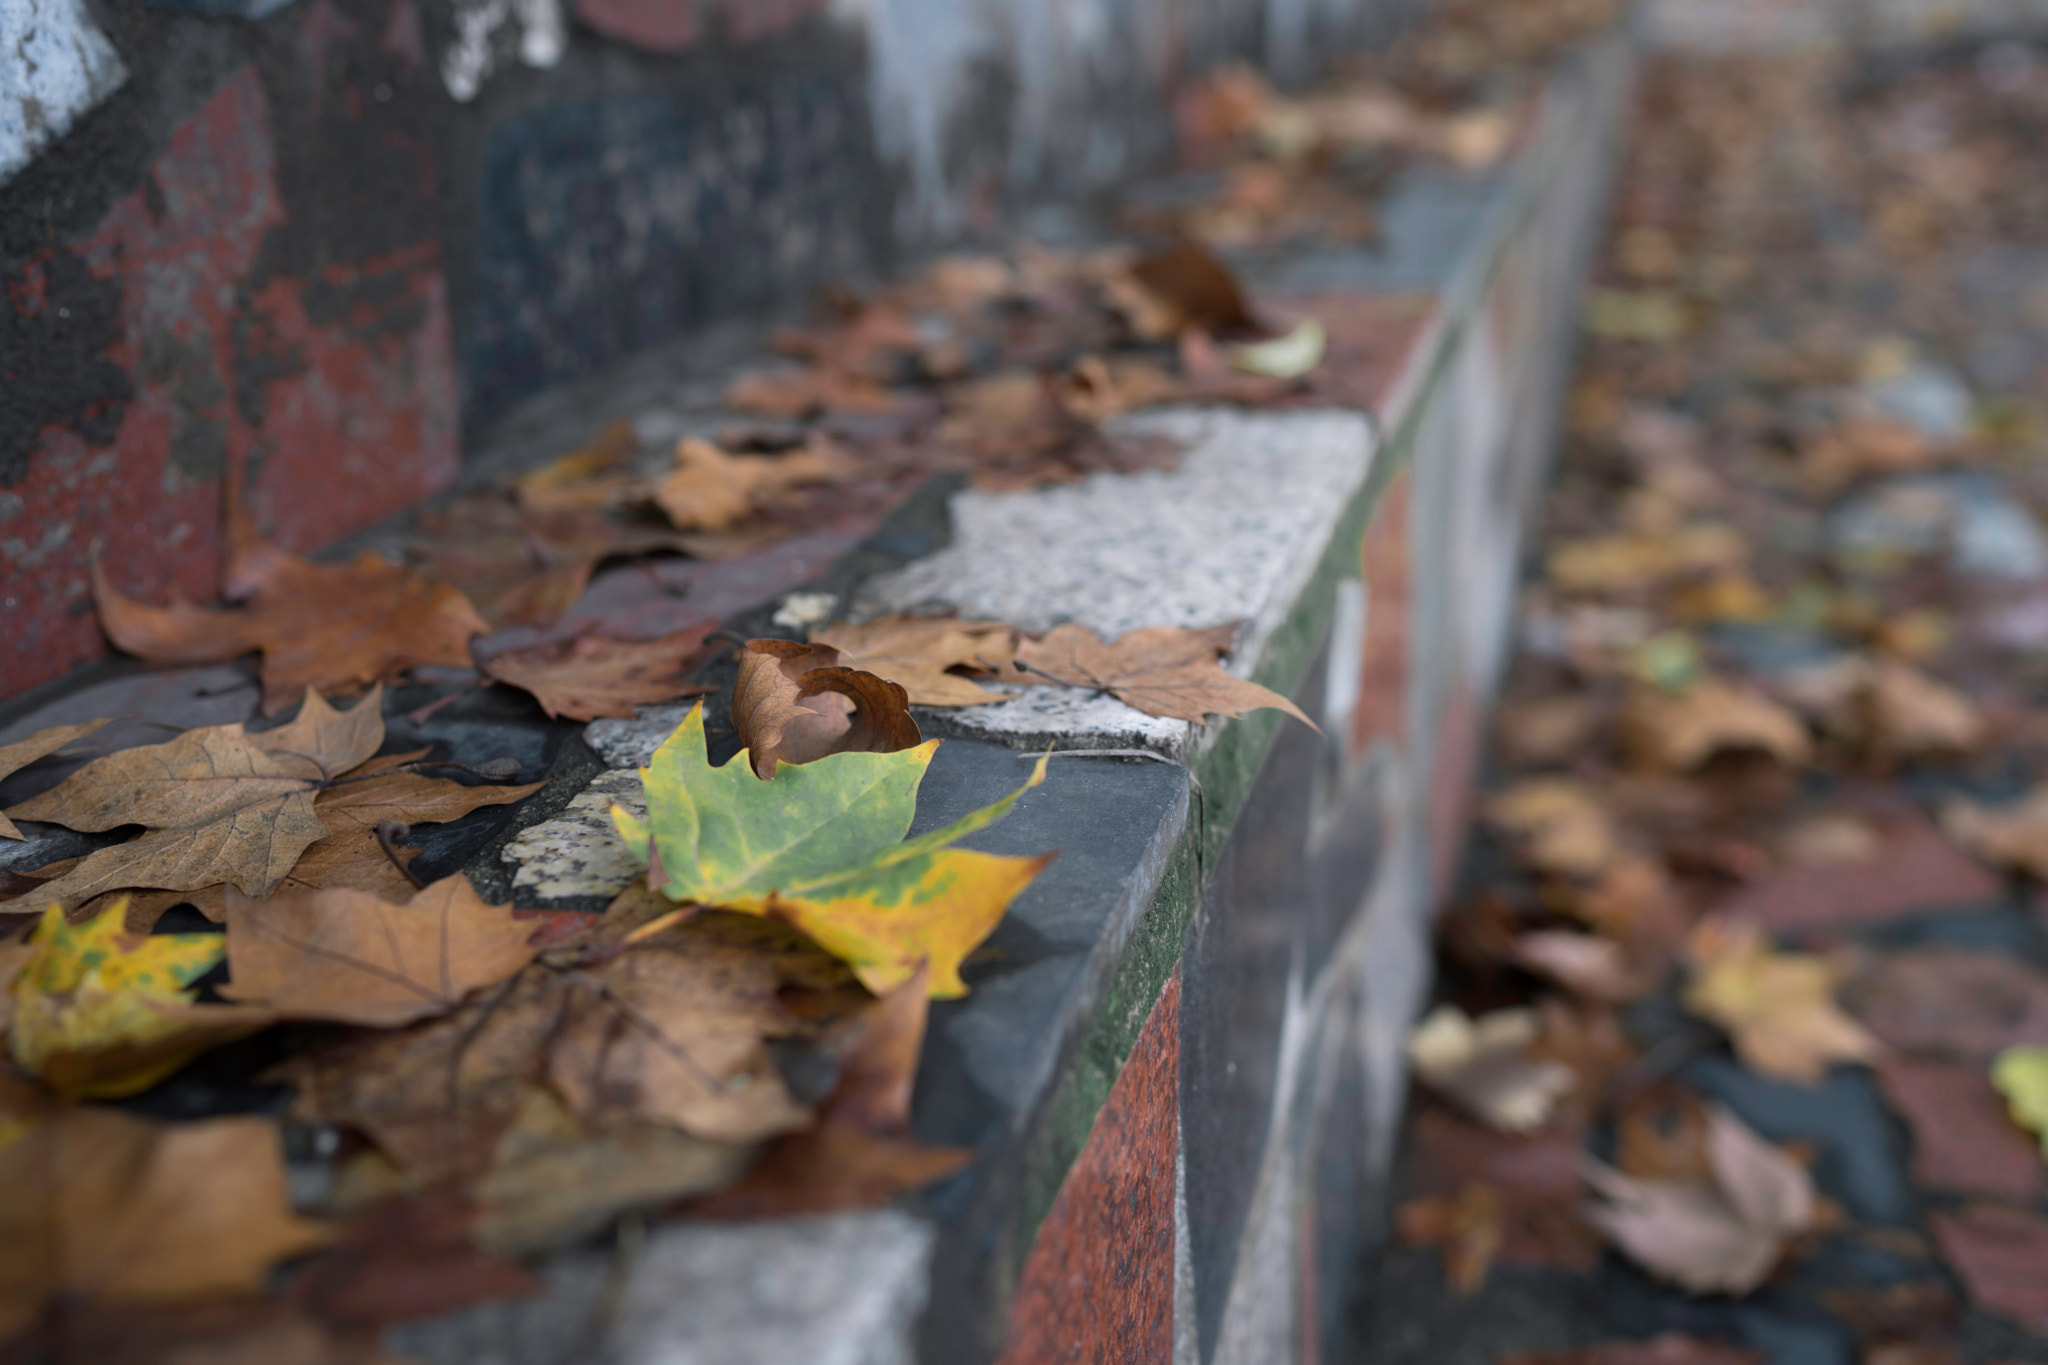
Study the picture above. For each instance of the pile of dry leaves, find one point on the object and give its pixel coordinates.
(1780, 683)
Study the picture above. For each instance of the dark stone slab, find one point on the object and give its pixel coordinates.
(1861, 1160)
(988, 1057)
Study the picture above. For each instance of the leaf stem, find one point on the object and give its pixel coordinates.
(389, 832)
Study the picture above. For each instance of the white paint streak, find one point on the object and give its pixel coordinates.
(55, 64)
(486, 29)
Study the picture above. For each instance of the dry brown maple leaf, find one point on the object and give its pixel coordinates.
(113, 1209)
(1723, 1234)
(523, 566)
(915, 653)
(2014, 836)
(1486, 1066)
(709, 490)
(350, 958)
(350, 855)
(677, 1035)
(589, 676)
(219, 804)
(586, 478)
(1562, 827)
(41, 744)
(1160, 670)
(858, 1154)
(1465, 1228)
(638, 1037)
(1676, 732)
(1778, 1008)
(1906, 714)
(337, 628)
(437, 1097)
(793, 703)
(556, 1181)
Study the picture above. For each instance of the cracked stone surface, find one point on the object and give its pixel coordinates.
(579, 852)
(631, 743)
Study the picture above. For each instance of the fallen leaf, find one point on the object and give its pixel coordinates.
(1661, 1134)
(1947, 1002)
(350, 958)
(220, 804)
(858, 1154)
(334, 628)
(1549, 731)
(1561, 826)
(1283, 357)
(350, 856)
(1778, 1008)
(629, 1033)
(1906, 715)
(1160, 670)
(112, 1209)
(1828, 840)
(1963, 1138)
(709, 490)
(588, 676)
(555, 1181)
(1198, 289)
(1485, 1066)
(820, 846)
(916, 652)
(18, 755)
(2014, 836)
(1723, 1234)
(1584, 964)
(2021, 1076)
(794, 704)
(1466, 1229)
(1669, 1348)
(676, 1033)
(574, 481)
(103, 1013)
(805, 391)
(523, 567)
(1677, 732)
(1998, 1253)
(437, 1097)
(1632, 563)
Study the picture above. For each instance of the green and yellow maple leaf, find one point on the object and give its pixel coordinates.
(820, 846)
(101, 1013)
(2021, 1075)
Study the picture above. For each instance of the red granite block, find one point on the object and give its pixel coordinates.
(1098, 1285)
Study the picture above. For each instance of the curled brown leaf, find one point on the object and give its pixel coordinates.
(794, 703)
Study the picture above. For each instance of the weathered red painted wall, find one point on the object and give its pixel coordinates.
(349, 420)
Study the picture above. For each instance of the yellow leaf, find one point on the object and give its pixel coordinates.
(1778, 1008)
(886, 921)
(102, 1013)
(2021, 1075)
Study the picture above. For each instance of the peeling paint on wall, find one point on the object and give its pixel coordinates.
(54, 65)
(335, 390)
